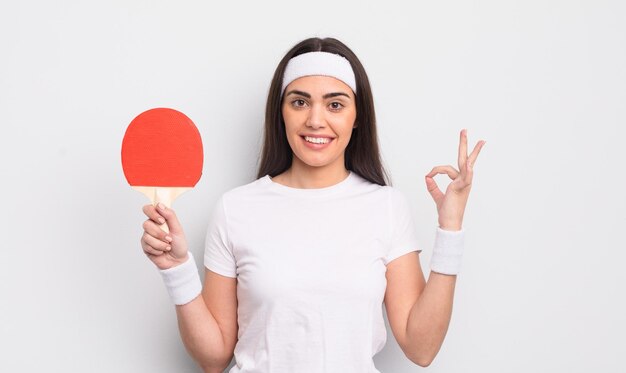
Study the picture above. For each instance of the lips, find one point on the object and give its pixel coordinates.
(315, 146)
(317, 135)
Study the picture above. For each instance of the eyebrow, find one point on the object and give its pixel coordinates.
(328, 95)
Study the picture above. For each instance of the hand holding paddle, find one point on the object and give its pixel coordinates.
(165, 250)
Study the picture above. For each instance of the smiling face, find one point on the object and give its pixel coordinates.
(319, 114)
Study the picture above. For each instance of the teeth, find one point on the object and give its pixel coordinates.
(317, 140)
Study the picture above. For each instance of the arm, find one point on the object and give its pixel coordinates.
(430, 315)
(208, 324)
(207, 321)
(429, 318)
(419, 313)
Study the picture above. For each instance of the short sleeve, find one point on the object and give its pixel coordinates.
(218, 249)
(403, 235)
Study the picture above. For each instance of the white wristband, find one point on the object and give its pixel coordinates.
(182, 281)
(447, 251)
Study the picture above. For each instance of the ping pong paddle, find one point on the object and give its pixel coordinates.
(162, 155)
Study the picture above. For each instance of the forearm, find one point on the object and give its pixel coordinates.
(202, 336)
(429, 318)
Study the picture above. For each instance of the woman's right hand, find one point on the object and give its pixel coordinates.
(165, 250)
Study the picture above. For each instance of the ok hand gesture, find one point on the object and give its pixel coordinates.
(451, 205)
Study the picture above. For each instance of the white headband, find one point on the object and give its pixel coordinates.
(319, 63)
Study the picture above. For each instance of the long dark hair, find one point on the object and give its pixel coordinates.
(362, 155)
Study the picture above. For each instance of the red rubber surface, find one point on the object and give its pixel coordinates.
(162, 147)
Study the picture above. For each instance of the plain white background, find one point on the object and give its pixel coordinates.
(543, 82)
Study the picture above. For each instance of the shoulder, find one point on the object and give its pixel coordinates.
(361, 185)
(251, 189)
(393, 195)
(240, 199)
(398, 202)
(396, 195)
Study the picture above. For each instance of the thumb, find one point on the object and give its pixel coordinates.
(434, 190)
(170, 219)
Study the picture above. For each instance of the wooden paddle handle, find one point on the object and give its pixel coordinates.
(164, 195)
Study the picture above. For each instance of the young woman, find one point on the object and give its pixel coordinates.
(300, 261)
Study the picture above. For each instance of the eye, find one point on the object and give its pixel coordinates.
(298, 103)
(336, 105)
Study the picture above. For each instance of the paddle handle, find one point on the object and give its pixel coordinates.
(164, 195)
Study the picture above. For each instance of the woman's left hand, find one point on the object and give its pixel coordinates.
(451, 206)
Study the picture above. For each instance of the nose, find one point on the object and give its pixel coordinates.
(316, 117)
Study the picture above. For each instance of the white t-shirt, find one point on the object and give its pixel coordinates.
(310, 267)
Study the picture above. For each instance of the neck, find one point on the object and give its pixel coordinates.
(306, 177)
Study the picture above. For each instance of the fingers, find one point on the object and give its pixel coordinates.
(431, 185)
(465, 162)
(462, 148)
(153, 246)
(152, 214)
(465, 166)
(448, 170)
(170, 218)
(155, 231)
(469, 174)
(154, 240)
(433, 189)
(472, 158)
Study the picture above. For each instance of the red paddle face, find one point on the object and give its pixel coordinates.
(162, 148)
